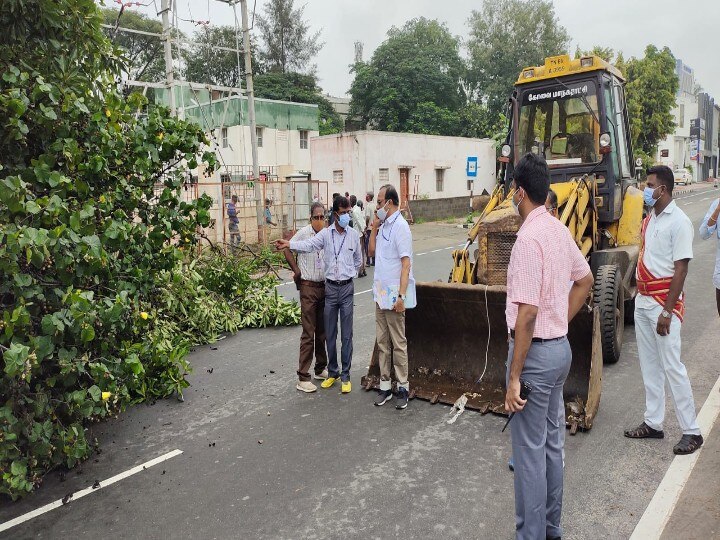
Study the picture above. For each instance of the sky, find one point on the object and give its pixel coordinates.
(688, 28)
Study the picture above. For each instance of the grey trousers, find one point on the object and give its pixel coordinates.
(339, 301)
(537, 441)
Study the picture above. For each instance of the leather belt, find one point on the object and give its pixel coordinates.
(538, 339)
(339, 283)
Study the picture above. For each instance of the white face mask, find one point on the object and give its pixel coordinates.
(382, 213)
(517, 206)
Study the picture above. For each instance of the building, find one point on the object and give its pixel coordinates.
(694, 143)
(420, 166)
(284, 131)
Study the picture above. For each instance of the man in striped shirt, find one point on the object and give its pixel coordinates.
(309, 276)
(548, 282)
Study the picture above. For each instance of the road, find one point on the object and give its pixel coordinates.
(261, 460)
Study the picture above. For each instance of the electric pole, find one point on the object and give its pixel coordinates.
(249, 89)
(250, 92)
(169, 74)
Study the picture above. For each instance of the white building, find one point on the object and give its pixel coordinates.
(420, 166)
(674, 150)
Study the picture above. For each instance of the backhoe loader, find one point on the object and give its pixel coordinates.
(572, 112)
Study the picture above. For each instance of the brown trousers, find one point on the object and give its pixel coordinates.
(390, 336)
(312, 340)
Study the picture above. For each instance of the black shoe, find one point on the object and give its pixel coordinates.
(383, 397)
(688, 444)
(643, 431)
(402, 399)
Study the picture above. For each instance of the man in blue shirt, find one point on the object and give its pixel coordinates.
(342, 258)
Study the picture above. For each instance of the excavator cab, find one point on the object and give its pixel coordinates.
(573, 113)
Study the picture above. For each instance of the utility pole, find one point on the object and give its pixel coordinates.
(250, 92)
(249, 88)
(169, 74)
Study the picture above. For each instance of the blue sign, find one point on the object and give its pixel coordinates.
(472, 164)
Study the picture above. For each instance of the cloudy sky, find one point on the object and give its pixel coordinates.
(690, 29)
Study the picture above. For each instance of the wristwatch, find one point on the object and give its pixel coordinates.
(665, 313)
(401, 297)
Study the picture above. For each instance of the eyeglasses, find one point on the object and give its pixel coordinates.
(318, 218)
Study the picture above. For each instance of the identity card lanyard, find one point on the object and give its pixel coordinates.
(336, 253)
(387, 238)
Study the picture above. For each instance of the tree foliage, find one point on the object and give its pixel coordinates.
(93, 238)
(650, 92)
(205, 63)
(288, 44)
(504, 37)
(299, 88)
(413, 81)
(143, 55)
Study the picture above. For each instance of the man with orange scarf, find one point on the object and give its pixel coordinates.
(659, 309)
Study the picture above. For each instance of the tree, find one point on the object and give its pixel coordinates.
(143, 55)
(606, 53)
(205, 63)
(299, 88)
(414, 76)
(505, 36)
(287, 42)
(91, 217)
(650, 92)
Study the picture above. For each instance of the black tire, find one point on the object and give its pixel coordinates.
(609, 297)
(630, 311)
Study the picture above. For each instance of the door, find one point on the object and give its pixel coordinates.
(404, 187)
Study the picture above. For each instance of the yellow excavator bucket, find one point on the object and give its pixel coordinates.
(457, 336)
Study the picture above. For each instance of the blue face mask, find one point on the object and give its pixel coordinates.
(344, 220)
(648, 196)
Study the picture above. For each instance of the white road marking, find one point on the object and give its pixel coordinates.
(87, 491)
(658, 513)
(706, 199)
(362, 292)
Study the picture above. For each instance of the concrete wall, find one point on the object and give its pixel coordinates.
(361, 155)
(437, 209)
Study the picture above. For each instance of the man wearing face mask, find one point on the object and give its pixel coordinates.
(309, 276)
(548, 280)
(342, 259)
(667, 236)
(393, 292)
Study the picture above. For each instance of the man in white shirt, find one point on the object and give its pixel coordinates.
(342, 258)
(393, 288)
(659, 309)
(309, 276)
(370, 208)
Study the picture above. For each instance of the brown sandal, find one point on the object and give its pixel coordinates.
(643, 431)
(688, 444)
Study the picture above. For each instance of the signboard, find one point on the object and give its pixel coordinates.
(472, 166)
(553, 93)
(694, 149)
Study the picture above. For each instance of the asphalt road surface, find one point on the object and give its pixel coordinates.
(261, 460)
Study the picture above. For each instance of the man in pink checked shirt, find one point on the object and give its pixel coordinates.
(548, 282)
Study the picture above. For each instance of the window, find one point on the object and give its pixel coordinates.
(304, 140)
(439, 179)
(259, 136)
(224, 137)
(560, 123)
(337, 177)
(681, 115)
(384, 176)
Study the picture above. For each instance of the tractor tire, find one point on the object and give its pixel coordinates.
(630, 311)
(608, 294)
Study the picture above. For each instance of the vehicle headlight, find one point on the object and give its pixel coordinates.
(605, 140)
(505, 150)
